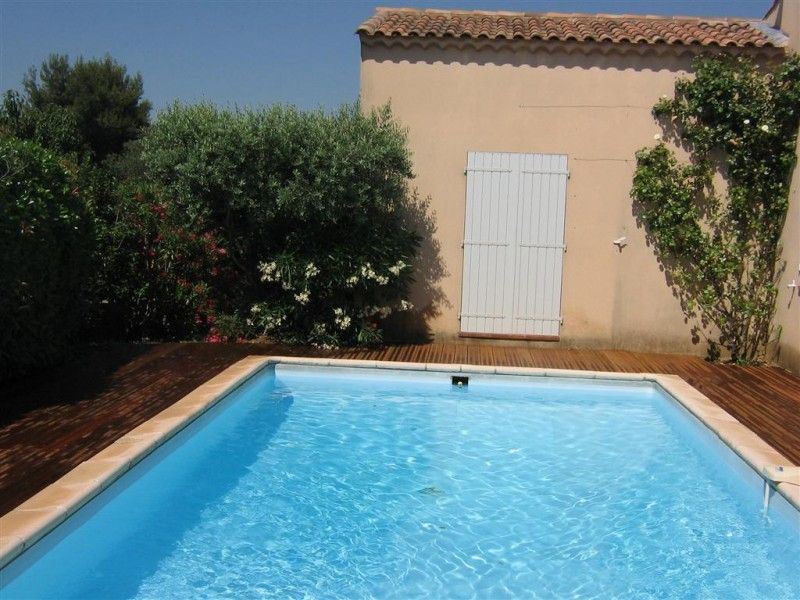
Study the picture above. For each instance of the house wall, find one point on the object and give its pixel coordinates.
(787, 313)
(547, 98)
(786, 16)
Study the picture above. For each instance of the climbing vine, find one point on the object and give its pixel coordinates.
(716, 220)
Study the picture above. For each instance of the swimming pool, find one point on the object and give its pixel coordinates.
(337, 482)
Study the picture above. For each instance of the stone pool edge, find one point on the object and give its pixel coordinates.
(26, 524)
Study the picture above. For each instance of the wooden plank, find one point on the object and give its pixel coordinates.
(52, 422)
(510, 336)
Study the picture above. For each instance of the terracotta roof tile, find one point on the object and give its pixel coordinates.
(633, 29)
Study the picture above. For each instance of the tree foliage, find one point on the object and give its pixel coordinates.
(45, 245)
(52, 127)
(92, 105)
(719, 239)
(211, 223)
(308, 203)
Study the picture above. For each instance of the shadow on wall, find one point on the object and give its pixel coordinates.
(703, 329)
(426, 292)
(569, 55)
(699, 324)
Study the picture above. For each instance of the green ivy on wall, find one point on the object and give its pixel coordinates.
(716, 221)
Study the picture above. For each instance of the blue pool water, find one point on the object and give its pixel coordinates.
(304, 484)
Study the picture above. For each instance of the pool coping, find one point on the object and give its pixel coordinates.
(26, 524)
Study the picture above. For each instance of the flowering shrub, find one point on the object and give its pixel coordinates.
(309, 205)
(721, 249)
(156, 279)
(337, 302)
(45, 243)
(214, 224)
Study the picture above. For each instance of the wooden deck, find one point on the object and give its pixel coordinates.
(51, 423)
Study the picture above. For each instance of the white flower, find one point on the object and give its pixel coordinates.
(342, 320)
(311, 270)
(382, 311)
(271, 322)
(302, 297)
(351, 281)
(765, 128)
(382, 280)
(657, 136)
(367, 272)
(255, 309)
(286, 285)
(397, 267)
(405, 305)
(249, 322)
(268, 271)
(747, 121)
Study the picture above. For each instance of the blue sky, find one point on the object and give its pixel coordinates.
(250, 53)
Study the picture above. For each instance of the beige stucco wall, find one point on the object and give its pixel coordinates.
(787, 312)
(593, 107)
(786, 16)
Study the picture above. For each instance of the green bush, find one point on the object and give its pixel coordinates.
(45, 243)
(309, 204)
(52, 127)
(154, 279)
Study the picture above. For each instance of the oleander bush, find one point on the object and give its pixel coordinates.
(207, 224)
(310, 206)
(45, 247)
(154, 278)
(720, 242)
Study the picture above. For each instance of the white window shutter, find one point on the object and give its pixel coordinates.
(513, 244)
